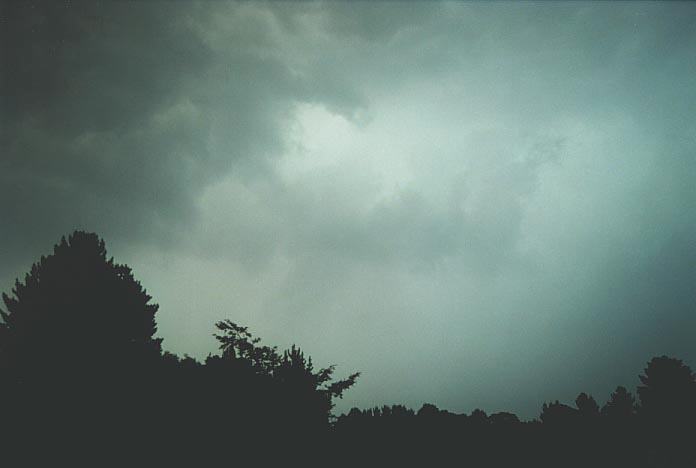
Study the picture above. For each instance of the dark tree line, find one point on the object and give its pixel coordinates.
(82, 376)
(657, 430)
(81, 371)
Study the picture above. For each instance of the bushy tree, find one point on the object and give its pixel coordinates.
(78, 355)
(668, 410)
(76, 313)
(478, 416)
(586, 405)
(504, 418)
(621, 405)
(557, 413)
(306, 394)
(668, 391)
(428, 410)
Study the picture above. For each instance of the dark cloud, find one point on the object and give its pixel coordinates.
(100, 123)
(116, 115)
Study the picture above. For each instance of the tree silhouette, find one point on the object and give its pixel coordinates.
(668, 410)
(307, 393)
(621, 405)
(668, 390)
(558, 414)
(428, 410)
(78, 356)
(479, 417)
(504, 418)
(587, 406)
(80, 367)
(76, 313)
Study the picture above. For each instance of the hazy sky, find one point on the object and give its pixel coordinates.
(475, 205)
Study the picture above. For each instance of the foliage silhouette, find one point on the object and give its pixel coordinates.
(77, 349)
(668, 391)
(557, 413)
(621, 405)
(76, 310)
(668, 409)
(83, 373)
(79, 361)
(587, 406)
(308, 393)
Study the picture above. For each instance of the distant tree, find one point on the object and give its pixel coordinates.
(503, 418)
(668, 410)
(397, 411)
(428, 410)
(356, 413)
(558, 414)
(668, 391)
(621, 405)
(587, 406)
(478, 416)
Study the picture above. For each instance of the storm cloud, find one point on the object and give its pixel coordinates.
(476, 205)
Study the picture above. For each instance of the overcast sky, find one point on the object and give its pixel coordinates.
(475, 205)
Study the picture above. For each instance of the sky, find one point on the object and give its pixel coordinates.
(477, 205)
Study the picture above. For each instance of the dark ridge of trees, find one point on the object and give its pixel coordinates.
(657, 432)
(83, 378)
(82, 372)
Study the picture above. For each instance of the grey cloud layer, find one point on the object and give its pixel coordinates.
(116, 115)
(476, 205)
